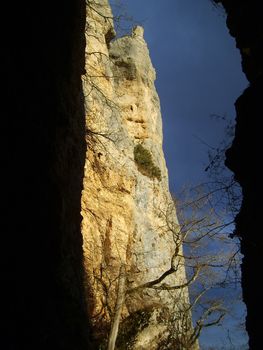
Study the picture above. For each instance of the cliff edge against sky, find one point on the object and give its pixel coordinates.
(126, 204)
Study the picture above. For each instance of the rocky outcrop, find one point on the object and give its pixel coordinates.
(44, 154)
(128, 217)
(244, 20)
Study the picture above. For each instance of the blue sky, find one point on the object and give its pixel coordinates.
(198, 74)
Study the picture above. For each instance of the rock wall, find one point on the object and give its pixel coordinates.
(244, 20)
(128, 217)
(43, 160)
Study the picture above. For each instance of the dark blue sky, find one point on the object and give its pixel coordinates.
(198, 74)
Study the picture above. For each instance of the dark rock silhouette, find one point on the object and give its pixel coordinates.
(44, 154)
(245, 23)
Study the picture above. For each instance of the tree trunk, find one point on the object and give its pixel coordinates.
(118, 308)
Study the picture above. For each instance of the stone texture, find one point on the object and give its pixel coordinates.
(124, 211)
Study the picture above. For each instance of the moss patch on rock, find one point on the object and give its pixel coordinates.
(145, 164)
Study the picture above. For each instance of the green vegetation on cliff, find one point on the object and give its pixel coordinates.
(144, 162)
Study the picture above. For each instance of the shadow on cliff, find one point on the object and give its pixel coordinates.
(244, 21)
(243, 158)
(44, 153)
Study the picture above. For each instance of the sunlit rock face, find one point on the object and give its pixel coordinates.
(126, 202)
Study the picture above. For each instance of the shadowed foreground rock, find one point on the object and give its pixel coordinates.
(44, 154)
(245, 23)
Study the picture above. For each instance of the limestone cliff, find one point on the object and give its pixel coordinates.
(128, 217)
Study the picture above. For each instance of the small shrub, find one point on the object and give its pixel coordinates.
(144, 162)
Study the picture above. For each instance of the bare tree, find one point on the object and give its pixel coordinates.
(206, 273)
(118, 308)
